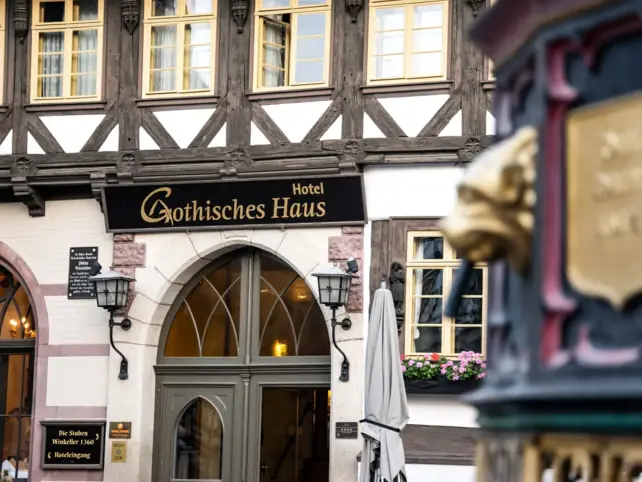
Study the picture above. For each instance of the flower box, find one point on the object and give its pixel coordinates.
(440, 386)
(434, 374)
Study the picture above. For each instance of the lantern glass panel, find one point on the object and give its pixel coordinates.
(345, 290)
(101, 295)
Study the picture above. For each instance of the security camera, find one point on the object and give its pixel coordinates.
(352, 266)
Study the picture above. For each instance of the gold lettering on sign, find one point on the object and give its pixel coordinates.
(157, 207)
(604, 199)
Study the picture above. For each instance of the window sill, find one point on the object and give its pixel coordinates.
(4, 109)
(319, 92)
(440, 386)
(488, 84)
(439, 87)
(66, 106)
(177, 101)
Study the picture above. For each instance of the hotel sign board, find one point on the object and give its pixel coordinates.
(213, 205)
(73, 445)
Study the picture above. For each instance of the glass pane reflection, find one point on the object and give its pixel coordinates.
(427, 339)
(207, 322)
(199, 443)
(291, 320)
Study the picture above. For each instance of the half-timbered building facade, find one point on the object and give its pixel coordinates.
(294, 133)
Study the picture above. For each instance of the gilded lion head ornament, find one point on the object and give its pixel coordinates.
(493, 216)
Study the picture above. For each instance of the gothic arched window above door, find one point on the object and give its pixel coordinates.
(248, 302)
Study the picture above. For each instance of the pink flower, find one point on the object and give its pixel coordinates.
(403, 369)
(450, 363)
(482, 375)
(419, 364)
(455, 377)
(443, 371)
(484, 365)
(462, 369)
(411, 362)
(478, 361)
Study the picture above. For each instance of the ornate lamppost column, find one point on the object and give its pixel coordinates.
(556, 208)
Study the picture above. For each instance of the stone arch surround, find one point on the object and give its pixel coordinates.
(163, 264)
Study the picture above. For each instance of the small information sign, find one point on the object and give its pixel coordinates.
(120, 430)
(81, 261)
(71, 445)
(346, 430)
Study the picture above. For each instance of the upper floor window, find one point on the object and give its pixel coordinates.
(431, 266)
(179, 47)
(67, 50)
(408, 41)
(292, 43)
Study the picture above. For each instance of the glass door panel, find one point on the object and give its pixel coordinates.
(294, 434)
(196, 443)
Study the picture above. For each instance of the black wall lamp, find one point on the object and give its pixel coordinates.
(112, 292)
(334, 288)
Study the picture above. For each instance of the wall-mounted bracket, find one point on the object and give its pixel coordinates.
(130, 14)
(239, 13)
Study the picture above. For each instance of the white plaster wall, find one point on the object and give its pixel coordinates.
(440, 473)
(44, 242)
(410, 191)
(77, 381)
(171, 261)
(440, 410)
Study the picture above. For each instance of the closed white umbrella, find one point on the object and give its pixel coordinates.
(385, 403)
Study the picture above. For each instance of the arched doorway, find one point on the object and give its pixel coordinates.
(17, 359)
(243, 377)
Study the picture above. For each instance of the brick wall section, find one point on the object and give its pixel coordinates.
(340, 248)
(128, 255)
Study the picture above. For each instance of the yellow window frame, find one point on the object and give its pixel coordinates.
(3, 33)
(407, 50)
(180, 21)
(448, 264)
(491, 74)
(68, 27)
(294, 10)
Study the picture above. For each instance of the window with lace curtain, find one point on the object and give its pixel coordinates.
(407, 41)
(431, 267)
(292, 43)
(67, 50)
(179, 46)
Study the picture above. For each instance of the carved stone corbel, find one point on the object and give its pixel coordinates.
(126, 166)
(353, 7)
(397, 280)
(21, 18)
(239, 12)
(235, 159)
(470, 150)
(130, 14)
(476, 6)
(20, 172)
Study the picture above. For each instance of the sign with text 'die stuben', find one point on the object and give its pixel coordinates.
(73, 445)
(226, 204)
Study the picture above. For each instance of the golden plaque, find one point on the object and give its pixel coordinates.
(604, 199)
(119, 452)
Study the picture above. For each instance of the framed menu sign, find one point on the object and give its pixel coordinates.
(73, 445)
(81, 261)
